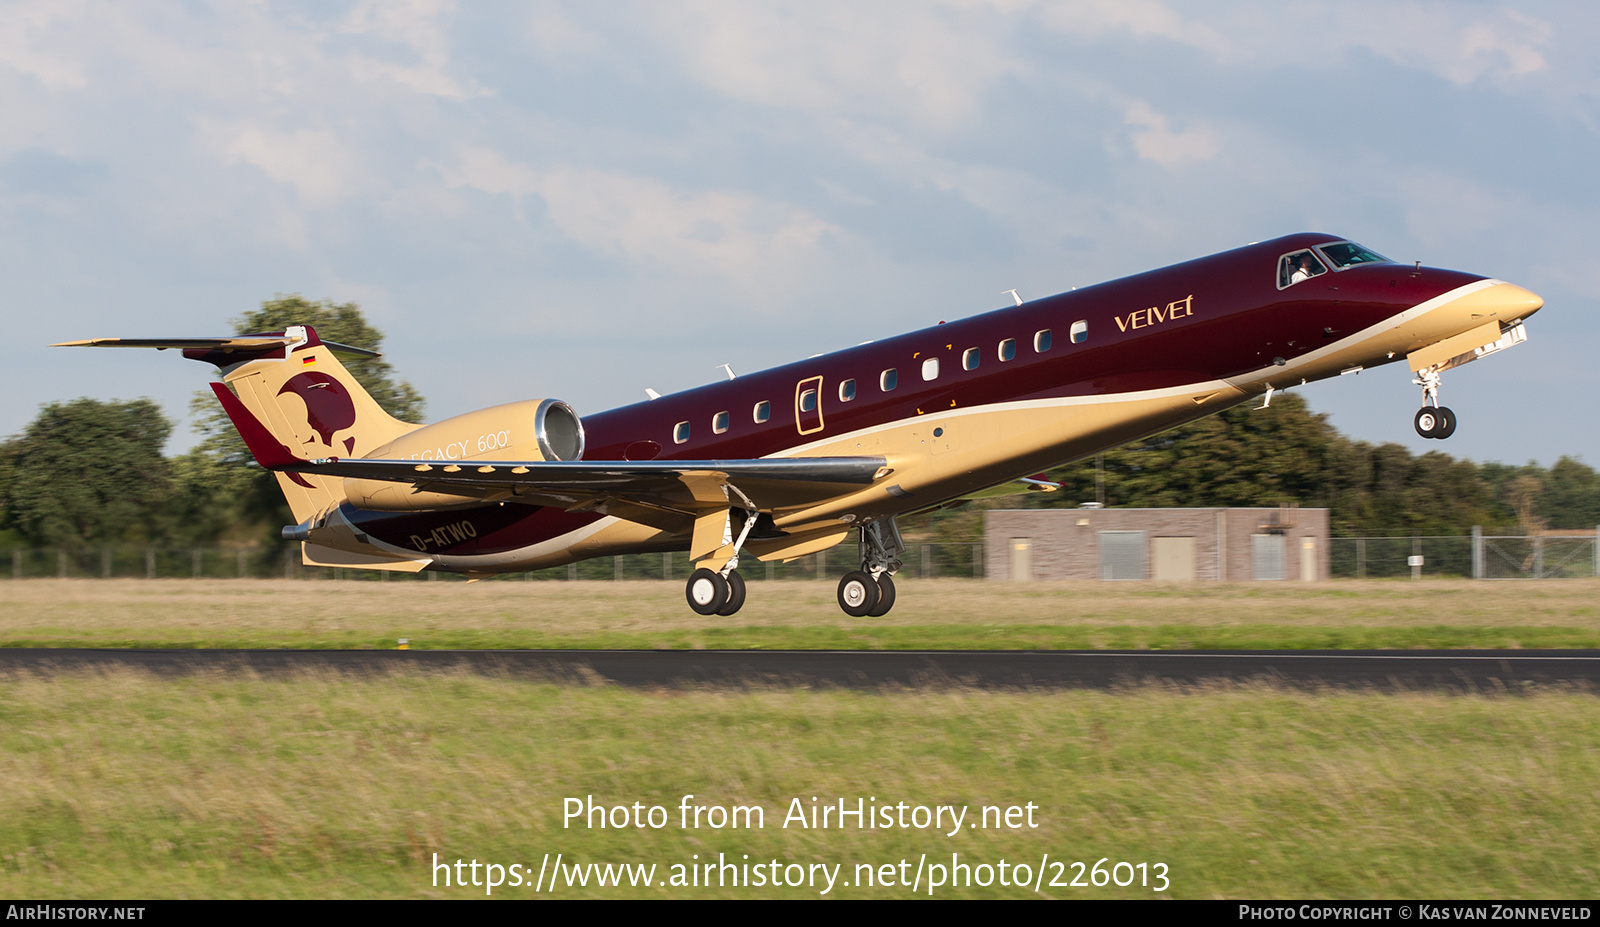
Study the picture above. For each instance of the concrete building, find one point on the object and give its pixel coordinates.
(1177, 545)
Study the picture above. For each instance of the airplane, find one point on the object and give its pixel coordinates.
(790, 461)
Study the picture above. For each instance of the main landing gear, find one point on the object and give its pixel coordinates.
(721, 591)
(869, 591)
(1433, 420)
(711, 593)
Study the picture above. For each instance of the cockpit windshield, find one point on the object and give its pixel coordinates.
(1346, 253)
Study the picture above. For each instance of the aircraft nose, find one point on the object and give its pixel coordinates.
(1513, 301)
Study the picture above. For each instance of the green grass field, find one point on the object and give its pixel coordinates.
(121, 784)
(933, 614)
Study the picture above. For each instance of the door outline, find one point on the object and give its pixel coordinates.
(802, 420)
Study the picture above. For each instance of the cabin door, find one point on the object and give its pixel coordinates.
(808, 405)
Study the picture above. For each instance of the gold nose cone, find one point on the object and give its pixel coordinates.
(1517, 302)
(1502, 302)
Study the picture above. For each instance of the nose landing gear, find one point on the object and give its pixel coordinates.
(1438, 422)
(1432, 420)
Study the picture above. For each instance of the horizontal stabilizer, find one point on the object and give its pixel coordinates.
(235, 344)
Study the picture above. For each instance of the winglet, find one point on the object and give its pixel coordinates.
(268, 451)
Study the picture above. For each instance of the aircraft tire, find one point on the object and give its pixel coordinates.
(735, 594)
(706, 591)
(1448, 424)
(885, 596)
(1427, 422)
(858, 594)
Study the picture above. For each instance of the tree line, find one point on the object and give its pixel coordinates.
(89, 473)
(1246, 456)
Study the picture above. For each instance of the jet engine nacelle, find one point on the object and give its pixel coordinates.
(531, 430)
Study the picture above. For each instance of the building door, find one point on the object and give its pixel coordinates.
(1308, 560)
(1122, 555)
(1174, 560)
(1267, 555)
(1021, 560)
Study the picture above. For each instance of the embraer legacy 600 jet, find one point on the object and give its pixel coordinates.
(789, 461)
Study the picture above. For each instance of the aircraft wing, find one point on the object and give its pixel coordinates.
(678, 487)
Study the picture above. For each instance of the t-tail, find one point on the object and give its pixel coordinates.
(290, 399)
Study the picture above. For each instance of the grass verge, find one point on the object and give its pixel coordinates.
(935, 614)
(120, 785)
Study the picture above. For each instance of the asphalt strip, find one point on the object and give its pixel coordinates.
(1454, 671)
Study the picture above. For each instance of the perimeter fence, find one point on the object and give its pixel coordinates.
(1478, 556)
(962, 559)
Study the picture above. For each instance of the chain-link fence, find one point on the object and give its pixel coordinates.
(1544, 557)
(1478, 555)
(955, 559)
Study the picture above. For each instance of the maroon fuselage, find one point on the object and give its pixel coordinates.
(1232, 319)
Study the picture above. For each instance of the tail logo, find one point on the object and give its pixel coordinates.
(329, 408)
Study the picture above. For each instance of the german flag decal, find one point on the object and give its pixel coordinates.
(308, 361)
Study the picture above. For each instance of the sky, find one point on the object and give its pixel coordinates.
(583, 200)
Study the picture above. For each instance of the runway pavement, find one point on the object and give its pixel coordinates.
(1462, 671)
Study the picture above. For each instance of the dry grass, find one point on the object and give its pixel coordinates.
(948, 613)
(122, 785)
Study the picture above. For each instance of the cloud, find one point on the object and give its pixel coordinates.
(22, 26)
(641, 219)
(929, 63)
(1143, 19)
(320, 167)
(414, 24)
(1154, 140)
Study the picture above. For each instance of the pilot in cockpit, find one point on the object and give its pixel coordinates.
(1301, 265)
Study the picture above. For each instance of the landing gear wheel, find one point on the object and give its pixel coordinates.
(857, 594)
(735, 594)
(885, 597)
(1448, 427)
(707, 591)
(1428, 422)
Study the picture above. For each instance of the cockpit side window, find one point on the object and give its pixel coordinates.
(1298, 266)
(1343, 254)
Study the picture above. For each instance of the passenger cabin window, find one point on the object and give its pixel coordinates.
(889, 379)
(970, 359)
(808, 401)
(763, 411)
(1080, 332)
(1344, 254)
(719, 423)
(847, 390)
(1297, 267)
(1041, 341)
(1008, 349)
(680, 432)
(930, 369)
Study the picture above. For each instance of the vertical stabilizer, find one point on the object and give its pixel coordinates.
(314, 407)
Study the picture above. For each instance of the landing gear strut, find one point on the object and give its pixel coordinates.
(1432, 420)
(721, 591)
(869, 591)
